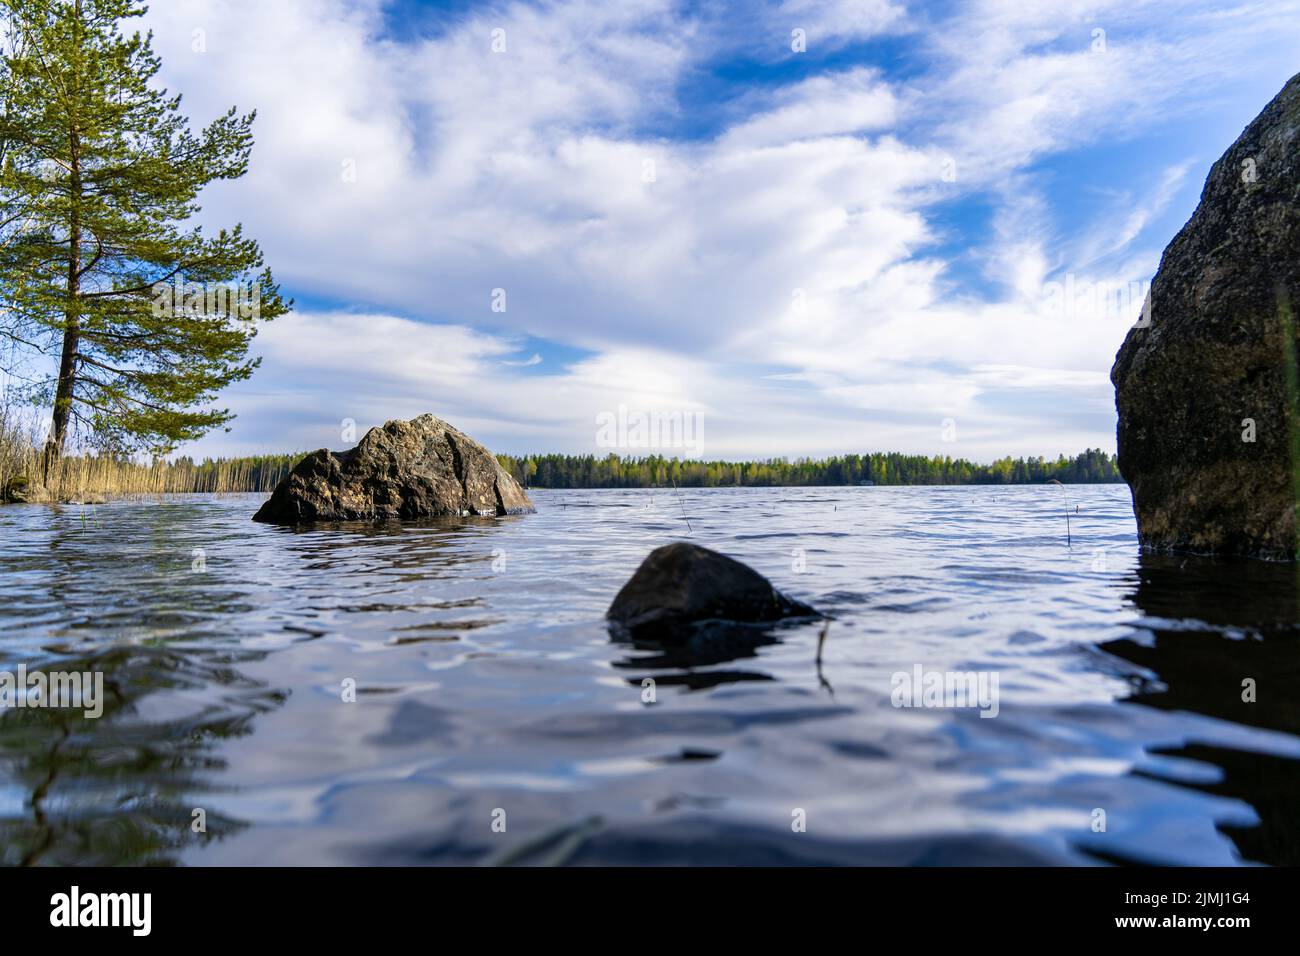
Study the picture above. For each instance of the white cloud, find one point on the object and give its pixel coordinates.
(838, 21)
(844, 103)
(534, 359)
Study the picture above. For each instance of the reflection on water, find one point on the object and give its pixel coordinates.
(687, 658)
(495, 721)
(1229, 649)
(110, 790)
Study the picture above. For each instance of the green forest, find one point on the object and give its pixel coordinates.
(889, 468)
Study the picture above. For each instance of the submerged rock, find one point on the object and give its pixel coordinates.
(683, 584)
(416, 469)
(1206, 384)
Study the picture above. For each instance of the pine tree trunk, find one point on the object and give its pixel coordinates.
(63, 393)
(68, 360)
(67, 381)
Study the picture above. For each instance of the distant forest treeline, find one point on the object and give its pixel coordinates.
(81, 475)
(890, 468)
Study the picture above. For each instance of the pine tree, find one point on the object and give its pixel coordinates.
(99, 262)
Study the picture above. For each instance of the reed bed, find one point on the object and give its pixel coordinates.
(82, 477)
(101, 475)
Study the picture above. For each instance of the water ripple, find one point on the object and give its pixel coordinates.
(485, 681)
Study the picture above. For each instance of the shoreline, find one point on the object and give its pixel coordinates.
(103, 498)
(84, 477)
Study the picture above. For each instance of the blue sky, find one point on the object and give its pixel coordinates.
(813, 251)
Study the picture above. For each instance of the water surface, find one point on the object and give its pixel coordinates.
(488, 690)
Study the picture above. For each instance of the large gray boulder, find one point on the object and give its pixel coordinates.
(416, 469)
(680, 585)
(1206, 392)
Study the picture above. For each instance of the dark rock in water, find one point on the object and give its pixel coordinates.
(683, 584)
(416, 469)
(1206, 383)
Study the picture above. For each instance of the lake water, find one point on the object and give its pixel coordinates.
(496, 721)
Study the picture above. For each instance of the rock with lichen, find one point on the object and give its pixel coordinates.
(1206, 382)
(417, 469)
